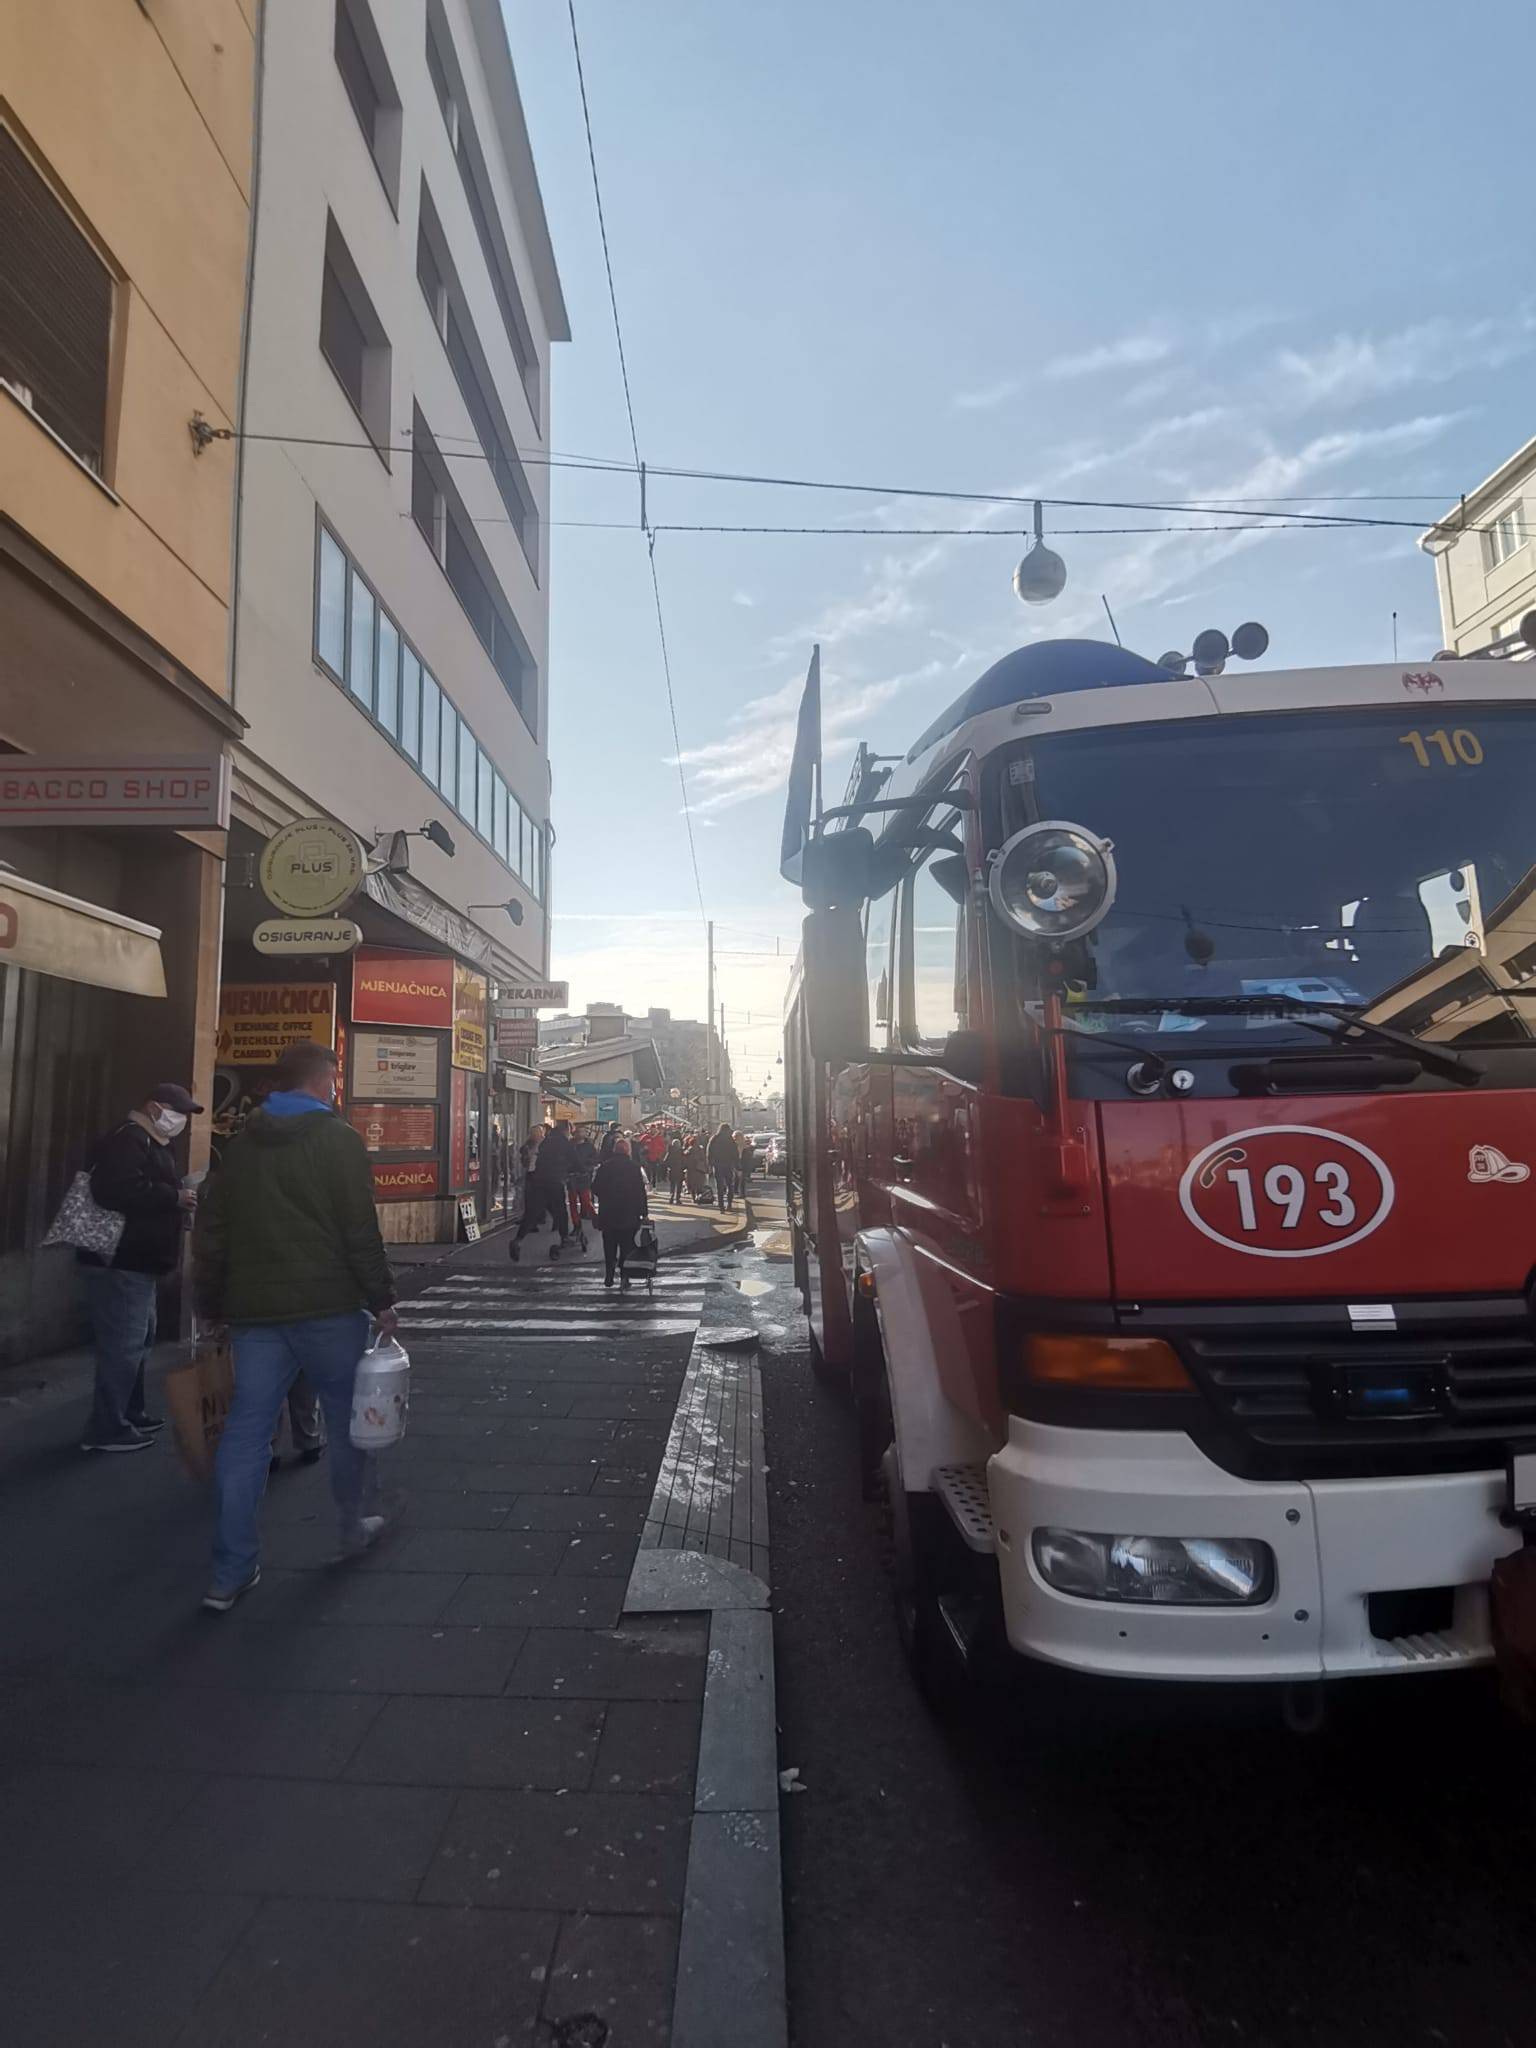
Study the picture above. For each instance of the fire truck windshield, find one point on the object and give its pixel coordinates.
(1374, 860)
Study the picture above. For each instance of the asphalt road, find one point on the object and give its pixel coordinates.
(1157, 1868)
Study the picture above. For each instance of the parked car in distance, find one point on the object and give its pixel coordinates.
(774, 1159)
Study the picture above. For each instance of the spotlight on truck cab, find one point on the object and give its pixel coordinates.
(1053, 881)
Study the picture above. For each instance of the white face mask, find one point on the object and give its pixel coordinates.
(169, 1123)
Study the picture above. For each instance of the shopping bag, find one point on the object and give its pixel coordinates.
(83, 1223)
(198, 1395)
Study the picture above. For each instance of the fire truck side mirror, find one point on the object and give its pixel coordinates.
(836, 995)
(835, 869)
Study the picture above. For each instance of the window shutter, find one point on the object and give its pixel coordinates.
(55, 308)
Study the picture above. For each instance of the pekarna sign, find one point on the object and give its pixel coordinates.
(402, 988)
(182, 792)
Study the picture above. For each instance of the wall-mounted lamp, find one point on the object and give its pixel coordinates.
(512, 907)
(396, 859)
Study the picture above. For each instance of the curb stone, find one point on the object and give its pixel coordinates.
(730, 1963)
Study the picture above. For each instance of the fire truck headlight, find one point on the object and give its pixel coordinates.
(1053, 880)
(1175, 1571)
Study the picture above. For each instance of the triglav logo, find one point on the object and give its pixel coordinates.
(1487, 1163)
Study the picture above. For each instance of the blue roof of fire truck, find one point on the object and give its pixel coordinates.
(1056, 666)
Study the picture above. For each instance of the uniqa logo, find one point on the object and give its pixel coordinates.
(1286, 1191)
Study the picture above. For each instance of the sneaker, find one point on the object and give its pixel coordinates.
(219, 1599)
(130, 1440)
(149, 1424)
(514, 1251)
(313, 1455)
(362, 1535)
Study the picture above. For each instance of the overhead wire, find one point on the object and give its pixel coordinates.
(634, 438)
(616, 466)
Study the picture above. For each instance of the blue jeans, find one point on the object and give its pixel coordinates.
(268, 1359)
(122, 1308)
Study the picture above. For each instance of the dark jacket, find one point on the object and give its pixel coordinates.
(723, 1156)
(132, 1173)
(556, 1159)
(675, 1156)
(583, 1162)
(619, 1186)
(287, 1226)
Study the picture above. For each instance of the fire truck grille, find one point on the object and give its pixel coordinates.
(1455, 1378)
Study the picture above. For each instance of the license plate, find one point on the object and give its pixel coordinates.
(1387, 1393)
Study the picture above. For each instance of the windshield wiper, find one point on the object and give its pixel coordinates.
(1344, 1022)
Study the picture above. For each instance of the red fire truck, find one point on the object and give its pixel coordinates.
(1161, 1087)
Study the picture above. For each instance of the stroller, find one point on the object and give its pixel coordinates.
(578, 1195)
(641, 1263)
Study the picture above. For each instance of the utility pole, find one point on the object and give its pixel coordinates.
(709, 1024)
(724, 1063)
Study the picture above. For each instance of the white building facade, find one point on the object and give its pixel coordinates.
(391, 621)
(1485, 562)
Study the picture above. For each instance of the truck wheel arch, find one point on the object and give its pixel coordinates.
(914, 1321)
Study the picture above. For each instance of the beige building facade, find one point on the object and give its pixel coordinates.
(1484, 551)
(391, 627)
(125, 189)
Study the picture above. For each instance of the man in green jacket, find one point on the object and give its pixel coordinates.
(287, 1252)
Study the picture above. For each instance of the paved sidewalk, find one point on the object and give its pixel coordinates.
(441, 1795)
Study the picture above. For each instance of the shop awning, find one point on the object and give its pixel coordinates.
(517, 1081)
(76, 941)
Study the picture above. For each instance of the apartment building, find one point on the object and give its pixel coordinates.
(125, 184)
(1485, 564)
(391, 629)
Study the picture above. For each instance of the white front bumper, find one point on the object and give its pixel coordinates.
(1335, 1542)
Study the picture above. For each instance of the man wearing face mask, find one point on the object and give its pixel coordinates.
(132, 1172)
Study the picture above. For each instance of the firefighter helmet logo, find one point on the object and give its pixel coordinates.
(1286, 1191)
(1487, 1163)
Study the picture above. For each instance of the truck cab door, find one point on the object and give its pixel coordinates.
(935, 1186)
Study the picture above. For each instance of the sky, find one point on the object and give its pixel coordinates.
(1189, 253)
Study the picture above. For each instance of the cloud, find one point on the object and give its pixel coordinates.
(752, 759)
(990, 396)
(1157, 565)
(1084, 461)
(1131, 352)
(745, 598)
(1355, 367)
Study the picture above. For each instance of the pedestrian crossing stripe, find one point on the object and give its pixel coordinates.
(544, 1331)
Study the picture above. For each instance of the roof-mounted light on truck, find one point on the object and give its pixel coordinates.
(1053, 881)
(1128, 1365)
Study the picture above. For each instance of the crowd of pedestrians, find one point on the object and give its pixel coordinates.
(289, 1268)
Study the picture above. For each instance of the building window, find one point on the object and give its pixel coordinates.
(386, 703)
(429, 274)
(438, 71)
(353, 341)
(365, 73)
(472, 174)
(449, 532)
(431, 727)
(469, 756)
(331, 614)
(448, 772)
(1507, 535)
(55, 310)
(360, 643)
(410, 703)
(450, 316)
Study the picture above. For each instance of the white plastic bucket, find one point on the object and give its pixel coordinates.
(381, 1395)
